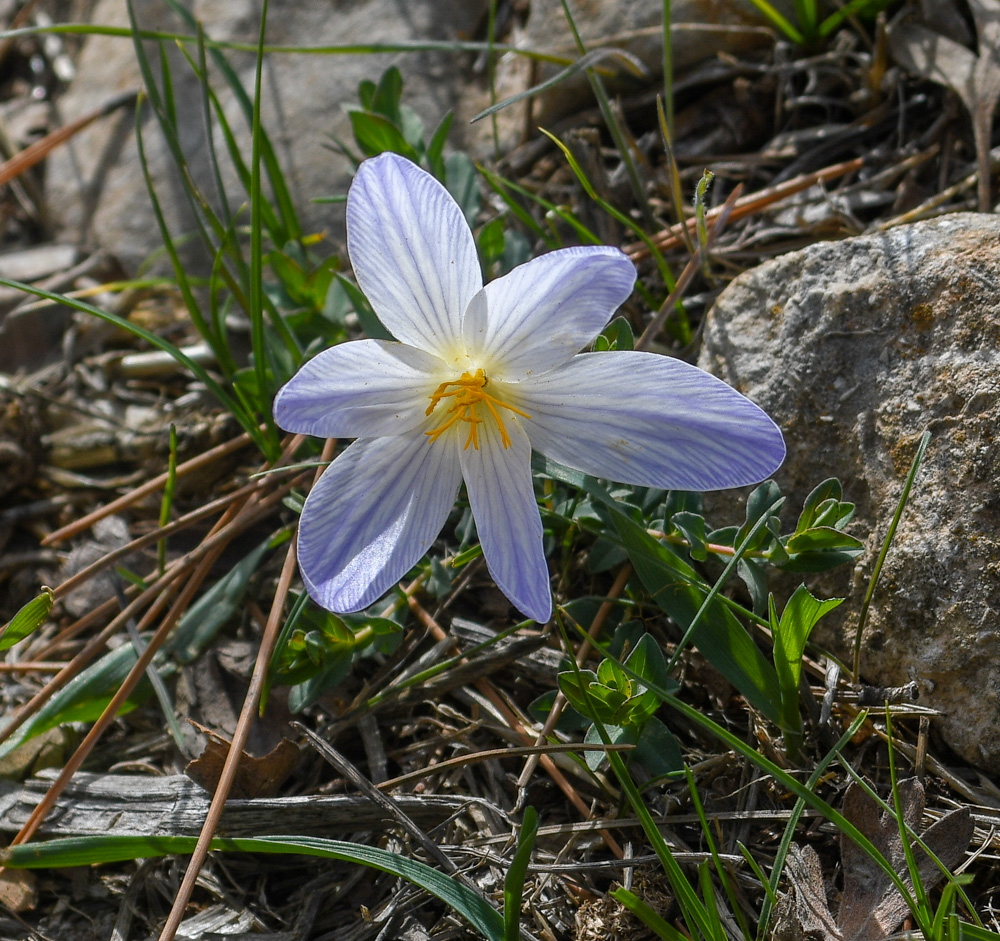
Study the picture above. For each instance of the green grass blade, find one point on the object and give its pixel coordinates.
(779, 21)
(647, 915)
(614, 127)
(206, 114)
(260, 357)
(886, 543)
(720, 871)
(631, 225)
(166, 504)
(586, 61)
(668, 69)
(513, 883)
(503, 188)
(793, 821)
(290, 228)
(87, 851)
(27, 620)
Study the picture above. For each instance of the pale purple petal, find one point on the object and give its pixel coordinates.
(502, 496)
(549, 308)
(649, 420)
(412, 252)
(365, 388)
(372, 516)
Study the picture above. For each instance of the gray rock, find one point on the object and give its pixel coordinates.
(855, 347)
(95, 185)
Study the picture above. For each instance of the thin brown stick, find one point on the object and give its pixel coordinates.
(228, 775)
(137, 672)
(161, 532)
(672, 237)
(219, 535)
(40, 149)
(151, 486)
(491, 754)
(32, 666)
(236, 746)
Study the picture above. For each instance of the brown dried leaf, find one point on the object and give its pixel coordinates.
(974, 78)
(18, 890)
(255, 777)
(802, 914)
(871, 907)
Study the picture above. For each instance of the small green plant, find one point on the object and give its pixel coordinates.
(625, 706)
(812, 22)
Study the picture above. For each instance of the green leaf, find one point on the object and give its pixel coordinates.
(31, 617)
(821, 539)
(801, 614)
(376, 134)
(569, 721)
(616, 735)
(647, 660)
(387, 96)
(573, 684)
(513, 883)
(491, 242)
(657, 750)
(790, 634)
(336, 665)
(617, 335)
(829, 489)
(692, 527)
(758, 503)
(86, 851)
(755, 579)
(84, 698)
(614, 677)
(435, 149)
(369, 321)
(680, 591)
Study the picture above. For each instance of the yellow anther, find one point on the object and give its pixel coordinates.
(467, 393)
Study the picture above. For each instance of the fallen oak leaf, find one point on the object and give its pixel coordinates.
(974, 78)
(871, 907)
(802, 913)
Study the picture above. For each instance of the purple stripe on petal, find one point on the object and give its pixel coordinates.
(365, 388)
(372, 516)
(649, 420)
(546, 310)
(502, 496)
(412, 252)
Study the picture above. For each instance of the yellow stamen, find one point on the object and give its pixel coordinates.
(467, 393)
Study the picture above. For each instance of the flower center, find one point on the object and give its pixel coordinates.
(467, 394)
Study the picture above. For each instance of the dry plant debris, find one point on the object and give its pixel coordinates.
(974, 77)
(871, 907)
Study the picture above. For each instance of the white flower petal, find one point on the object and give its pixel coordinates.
(649, 420)
(371, 517)
(366, 388)
(502, 496)
(412, 252)
(549, 308)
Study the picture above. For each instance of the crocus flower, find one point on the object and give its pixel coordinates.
(477, 378)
